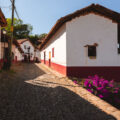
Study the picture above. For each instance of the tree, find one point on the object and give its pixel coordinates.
(20, 30)
(16, 22)
(34, 39)
(42, 36)
(37, 39)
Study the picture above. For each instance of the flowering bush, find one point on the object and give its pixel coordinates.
(103, 88)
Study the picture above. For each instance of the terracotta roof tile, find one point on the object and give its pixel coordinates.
(20, 41)
(97, 9)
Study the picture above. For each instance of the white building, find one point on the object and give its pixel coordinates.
(18, 55)
(85, 43)
(30, 52)
(3, 23)
(16, 50)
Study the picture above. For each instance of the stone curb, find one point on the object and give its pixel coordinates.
(50, 70)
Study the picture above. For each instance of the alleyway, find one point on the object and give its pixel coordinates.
(32, 94)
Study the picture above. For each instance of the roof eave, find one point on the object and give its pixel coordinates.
(97, 9)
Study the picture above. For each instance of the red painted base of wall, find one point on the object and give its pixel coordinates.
(83, 72)
(59, 68)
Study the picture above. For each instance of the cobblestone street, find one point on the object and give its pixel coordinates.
(32, 93)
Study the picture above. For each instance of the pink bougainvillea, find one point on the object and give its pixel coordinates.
(103, 88)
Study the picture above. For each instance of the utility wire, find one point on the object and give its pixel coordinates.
(16, 12)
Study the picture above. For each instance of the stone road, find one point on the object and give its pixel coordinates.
(32, 93)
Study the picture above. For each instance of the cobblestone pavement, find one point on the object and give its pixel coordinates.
(32, 94)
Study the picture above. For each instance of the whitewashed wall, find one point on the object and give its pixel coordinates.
(28, 44)
(92, 29)
(14, 50)
(18, 54)
(37, 53)
(58, 42)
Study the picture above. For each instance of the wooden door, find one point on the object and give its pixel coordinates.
(15, 58)
(49, 59)
(44, 57)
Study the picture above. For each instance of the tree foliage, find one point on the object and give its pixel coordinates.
(20, 30)
(34, 39)
(37, 39)
(42, 36)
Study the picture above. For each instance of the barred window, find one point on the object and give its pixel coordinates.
(91, 51)
(52, 52)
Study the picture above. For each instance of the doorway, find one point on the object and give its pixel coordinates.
(49, 59)
(44, 57)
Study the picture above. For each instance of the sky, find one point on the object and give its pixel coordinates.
(43, 14)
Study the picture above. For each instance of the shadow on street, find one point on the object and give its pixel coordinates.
(20, 100)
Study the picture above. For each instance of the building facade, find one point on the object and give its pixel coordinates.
(30, 52)
(17, 53)
(85, 43)
(3, 23)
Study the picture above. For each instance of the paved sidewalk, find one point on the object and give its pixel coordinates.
(34, 93)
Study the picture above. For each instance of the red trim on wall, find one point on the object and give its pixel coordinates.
(83, 72)
(52, 52)
(45, 57)
(59, 68)
(110, 73)
(42, 61)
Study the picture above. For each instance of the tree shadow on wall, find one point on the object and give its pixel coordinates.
(24, 101)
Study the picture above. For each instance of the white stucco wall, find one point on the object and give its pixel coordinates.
(37, 53)
(18, 54)
(58, 42)
(14, 50)
(87, 30)
(28, 44)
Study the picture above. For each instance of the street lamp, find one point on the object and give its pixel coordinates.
(4, 33)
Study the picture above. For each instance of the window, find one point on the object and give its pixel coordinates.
(24, 46)
(118, 48)
(44, 57)
(52, 52)
(91, 51)
(28, 49)
(119, 38)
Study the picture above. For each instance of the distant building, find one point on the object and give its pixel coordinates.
(30, 52)
(17, 52)
(86, 42)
